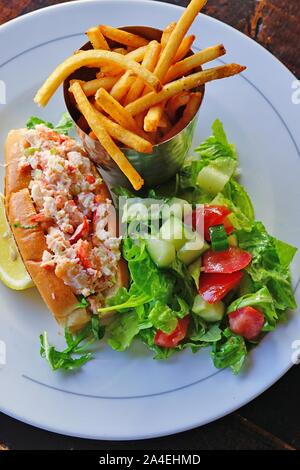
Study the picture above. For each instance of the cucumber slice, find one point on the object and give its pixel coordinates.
(176, 207)
(162, 252)
(209, 312)
(194, 270)
(212, 178)
(173, 231)
(192, 249)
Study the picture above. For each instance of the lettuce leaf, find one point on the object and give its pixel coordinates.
(215, 152)
(77, 352)
(270, 264)
(64, 126)
(152, 301)
(217, 145)
(184, 285)
(285, 252)
(230, 351)
(165, 318)
(239, 199)
(201, 333)
(122, 330)
(33, 121)
(237, 218)
(212, 335)
(146, 277)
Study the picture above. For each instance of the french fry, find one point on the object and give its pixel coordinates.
(177, 36)
(154, 114)
(172, 51)
(91, 87)
(187, 65)
(149, 62)
(109, 71)
(184, 48)
(120, 50)
(139, 119)
(137, 55)
(123, 37)
(183, 84)
(190, 111)
(97, 39)
(164, 122)
(145, 92)
(98, 58)
(104, 138)
(176, 102)
(153, 117)
(122, 86)
(125, 136)
(167, 33)
(104, 101)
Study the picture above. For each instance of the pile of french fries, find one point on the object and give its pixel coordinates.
(144, 92)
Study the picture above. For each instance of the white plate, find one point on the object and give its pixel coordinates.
(130, 396)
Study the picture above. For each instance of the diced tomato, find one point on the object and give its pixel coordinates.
(90, 179)
(83, 251)
(81, 231)
(228, 261)
(246, 322)
(213, 287)
(171, 340)
(211, 215)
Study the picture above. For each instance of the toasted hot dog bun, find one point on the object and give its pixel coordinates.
(32, 243)
(59, 297)
(14, 179)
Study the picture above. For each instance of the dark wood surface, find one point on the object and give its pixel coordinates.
(271, 421)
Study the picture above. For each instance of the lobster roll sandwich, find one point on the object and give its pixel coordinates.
(63, 221)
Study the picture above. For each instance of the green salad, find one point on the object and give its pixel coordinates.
(204, 273)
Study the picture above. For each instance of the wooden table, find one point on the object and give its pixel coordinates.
(272, 421)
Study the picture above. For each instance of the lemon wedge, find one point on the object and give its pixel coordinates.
(12, 269)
